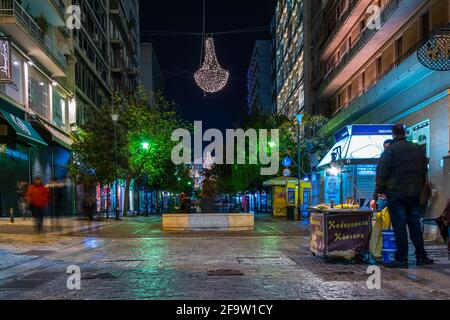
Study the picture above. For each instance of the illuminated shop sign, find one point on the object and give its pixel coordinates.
(435, 52)
(363, 130)
(5, 59)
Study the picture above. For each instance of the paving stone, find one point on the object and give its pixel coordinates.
(134, 259)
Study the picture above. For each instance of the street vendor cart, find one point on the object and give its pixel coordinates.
(340, 233)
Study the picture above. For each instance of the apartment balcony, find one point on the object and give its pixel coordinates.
(344, 25)
(118, 69)
(401, 90)
(394, 15)
(54, 10)
(120, 17)
(132, 72)
(116, 42)
(16, 22)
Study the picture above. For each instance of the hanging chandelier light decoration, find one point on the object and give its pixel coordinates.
(211, 77)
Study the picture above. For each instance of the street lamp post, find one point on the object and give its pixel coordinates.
(299, 162)
(74, 128)
(146, 146)
(115, 119)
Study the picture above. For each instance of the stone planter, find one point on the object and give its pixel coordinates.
(208, 222)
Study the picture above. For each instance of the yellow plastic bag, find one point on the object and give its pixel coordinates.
(383, 222)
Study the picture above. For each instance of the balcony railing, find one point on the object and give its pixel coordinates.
(11, 8)
(366, 35)
(61, 6)
(119, 13)
(394, 65)
(352, 5)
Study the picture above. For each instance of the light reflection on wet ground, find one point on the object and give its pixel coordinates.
(134, 259)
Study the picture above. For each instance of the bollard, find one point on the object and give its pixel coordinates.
(11, 215)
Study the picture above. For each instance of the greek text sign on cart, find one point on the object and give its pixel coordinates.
(340, 235)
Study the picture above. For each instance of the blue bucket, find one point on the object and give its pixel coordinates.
(389, 240)
(388, 255)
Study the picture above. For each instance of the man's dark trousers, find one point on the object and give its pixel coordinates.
(406, 211)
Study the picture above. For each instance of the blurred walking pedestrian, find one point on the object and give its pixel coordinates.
(185, 203)
(89, 203)
(56, 188)
(38, 198)
(401, 177)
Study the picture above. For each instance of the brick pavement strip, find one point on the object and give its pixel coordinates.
(134, 259)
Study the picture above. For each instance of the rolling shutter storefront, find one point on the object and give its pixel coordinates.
(62, 196)
(16, 138)
(14, 167)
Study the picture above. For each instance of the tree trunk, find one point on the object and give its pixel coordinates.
(157, 201)
(126, 197)
(139, 198)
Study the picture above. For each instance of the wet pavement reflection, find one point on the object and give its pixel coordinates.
(134, 259)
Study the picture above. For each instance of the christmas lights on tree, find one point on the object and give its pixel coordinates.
(211, 77)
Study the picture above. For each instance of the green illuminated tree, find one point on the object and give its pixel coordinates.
(143, 144)
(239, 178)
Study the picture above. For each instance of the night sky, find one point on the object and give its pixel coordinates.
(179, 56)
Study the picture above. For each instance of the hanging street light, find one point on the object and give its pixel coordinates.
(211, 77)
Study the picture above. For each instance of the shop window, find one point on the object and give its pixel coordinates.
(379, 66)
(398, 48)
(59, 109)
(425, 25)
(362, 25)
(38, 94)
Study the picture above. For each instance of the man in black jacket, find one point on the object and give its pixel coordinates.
(401, 177)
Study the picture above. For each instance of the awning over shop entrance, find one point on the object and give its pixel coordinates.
(23, 129)
(358, 144)
(57, 136)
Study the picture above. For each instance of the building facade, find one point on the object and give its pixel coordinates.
(288, 57)
(151, 76)
(107, 54)
(365, 70)
(37, 102)
(107, 51)
(52, 76)
(259, 78)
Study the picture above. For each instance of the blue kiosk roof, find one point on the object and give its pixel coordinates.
(358, 144)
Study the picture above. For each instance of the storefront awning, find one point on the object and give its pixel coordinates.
(57, 136)
(23, 129)
(358, 144)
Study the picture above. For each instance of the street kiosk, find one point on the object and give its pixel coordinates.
(285, 195)
(347, 172)
(341, 226)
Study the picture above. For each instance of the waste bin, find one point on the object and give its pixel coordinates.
(291, 213)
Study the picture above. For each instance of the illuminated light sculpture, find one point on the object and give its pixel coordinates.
(211, 77)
